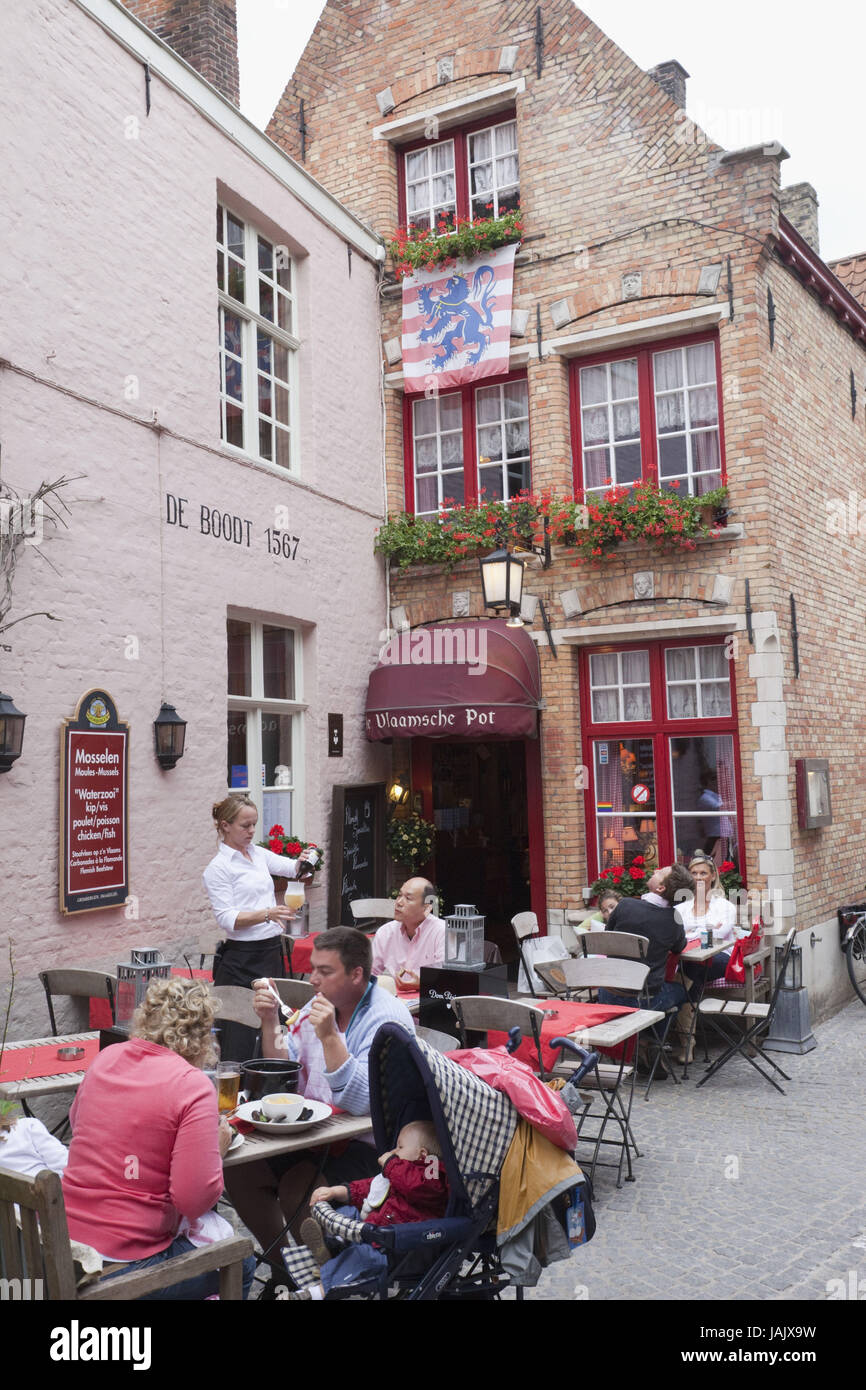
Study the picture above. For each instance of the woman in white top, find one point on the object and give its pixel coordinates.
(709, 908)
(241, 890)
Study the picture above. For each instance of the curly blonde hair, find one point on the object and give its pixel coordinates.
(178, 1014)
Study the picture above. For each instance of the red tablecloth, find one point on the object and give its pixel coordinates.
(302, 951)
(100, 1010)
(569, 1017)
(673, 964)
(27, 1063)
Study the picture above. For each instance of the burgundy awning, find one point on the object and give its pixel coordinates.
(456, 680)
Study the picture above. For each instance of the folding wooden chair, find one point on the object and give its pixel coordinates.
(207, 945)
(76, 984)
(757, 1018)
(614, 1081)
(442, 1042)
(370, 913)
(619, 945)
(483, 1013)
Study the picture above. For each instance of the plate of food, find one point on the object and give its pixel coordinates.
(283, 1114)
(237, 1143)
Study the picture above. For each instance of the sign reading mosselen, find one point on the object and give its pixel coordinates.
(94, 840)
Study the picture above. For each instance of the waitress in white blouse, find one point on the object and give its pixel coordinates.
(238, 882)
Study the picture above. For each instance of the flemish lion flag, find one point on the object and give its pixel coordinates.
(457, 322)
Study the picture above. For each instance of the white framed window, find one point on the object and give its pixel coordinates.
(698, 683)
(687, 417)
(610, 424)
(620, 687)
(502, 439)
(265, 724)
(258, 346)
(494, 175)
(437, 430)
(431, 188)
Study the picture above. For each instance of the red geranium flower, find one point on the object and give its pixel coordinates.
(276, 830)
(636, 874)
(726, 868)
(617, 872)
(638, 859)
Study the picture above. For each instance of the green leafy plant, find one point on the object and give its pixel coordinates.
(413, 248)
(593, 530)
(646, 513)
(8, 1108)
(410, 841)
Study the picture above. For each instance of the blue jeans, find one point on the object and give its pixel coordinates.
(700, 975)
(669, 995)
(197, 1288)
(353, 1264)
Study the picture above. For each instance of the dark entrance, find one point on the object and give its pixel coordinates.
(482, 842)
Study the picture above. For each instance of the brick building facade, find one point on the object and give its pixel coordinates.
(648, 252)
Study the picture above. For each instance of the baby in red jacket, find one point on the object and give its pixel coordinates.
(411, 1187)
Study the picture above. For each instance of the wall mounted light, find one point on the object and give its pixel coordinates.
(11, 732)
(169, 732)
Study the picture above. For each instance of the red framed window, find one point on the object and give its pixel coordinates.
(660, 744)
(471, 172)
(465, 444)
(652, 413)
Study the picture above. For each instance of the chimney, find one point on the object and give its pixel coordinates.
(203, 32)
(671, 77)
(799, 204)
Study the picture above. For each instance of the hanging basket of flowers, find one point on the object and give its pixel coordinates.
(410, 841)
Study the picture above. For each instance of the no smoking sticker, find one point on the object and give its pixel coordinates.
(640, 793)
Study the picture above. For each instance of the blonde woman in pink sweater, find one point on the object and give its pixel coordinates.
(147, 1142)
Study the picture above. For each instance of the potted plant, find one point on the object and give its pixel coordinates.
(414, 248)
(629, 882)
(410, 841)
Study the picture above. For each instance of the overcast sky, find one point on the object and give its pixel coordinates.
(761, 70)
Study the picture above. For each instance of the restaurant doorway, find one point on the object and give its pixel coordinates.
(481, 811)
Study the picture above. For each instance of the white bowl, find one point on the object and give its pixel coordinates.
(282, 1105)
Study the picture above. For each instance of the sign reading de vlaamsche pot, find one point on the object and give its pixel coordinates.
(94, 806)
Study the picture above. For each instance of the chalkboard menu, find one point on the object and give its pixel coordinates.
(357, 848)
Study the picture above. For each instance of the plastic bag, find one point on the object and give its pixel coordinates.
(542, 1108)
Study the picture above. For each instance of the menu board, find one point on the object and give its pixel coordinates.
(94, 806)
(357, 848)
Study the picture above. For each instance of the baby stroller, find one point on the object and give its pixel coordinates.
(455, 1256)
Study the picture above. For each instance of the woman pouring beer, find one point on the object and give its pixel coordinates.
(238, 882)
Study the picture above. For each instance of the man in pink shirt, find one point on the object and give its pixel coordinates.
(413, 939)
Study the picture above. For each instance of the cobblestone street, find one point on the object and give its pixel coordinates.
(790, 1222)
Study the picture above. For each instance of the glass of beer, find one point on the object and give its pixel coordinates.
(295, 896)
(228, 1083)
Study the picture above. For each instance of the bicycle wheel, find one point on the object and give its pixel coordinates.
(856, 957)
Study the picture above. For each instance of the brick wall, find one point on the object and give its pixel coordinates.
(203, 32)
(614, 181)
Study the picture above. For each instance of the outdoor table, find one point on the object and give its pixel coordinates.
(332, 1131)
(588, 1025)
(33, 1084)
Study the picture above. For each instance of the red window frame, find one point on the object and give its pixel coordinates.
(646, 401)
(660, 729)
(470, 451)
(459, 135)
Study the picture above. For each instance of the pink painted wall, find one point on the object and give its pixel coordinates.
(109, 274)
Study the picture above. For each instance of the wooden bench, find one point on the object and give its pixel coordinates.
(40, 1250)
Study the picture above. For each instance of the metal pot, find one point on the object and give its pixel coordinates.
(262, 1075)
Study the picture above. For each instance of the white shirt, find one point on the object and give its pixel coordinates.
(235, 883)
(721, 915)
(28, 1148)
(394, 950)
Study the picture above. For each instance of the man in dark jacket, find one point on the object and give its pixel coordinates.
(654, 916)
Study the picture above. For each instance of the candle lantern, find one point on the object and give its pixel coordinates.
(793, 977)
(133, 977)
(464, 938)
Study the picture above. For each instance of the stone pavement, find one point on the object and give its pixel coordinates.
(741, 1193)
